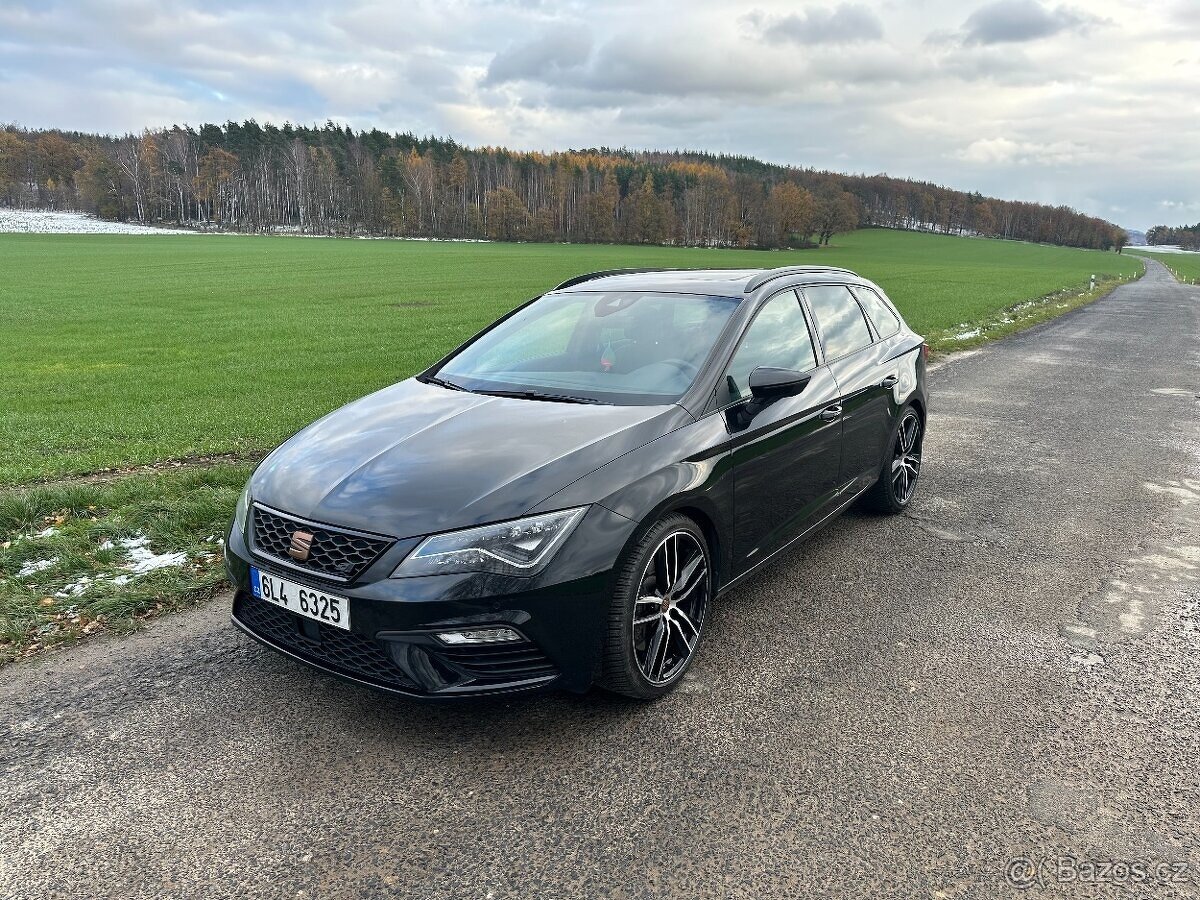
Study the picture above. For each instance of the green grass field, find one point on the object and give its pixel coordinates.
(128, 349)
(119, 351)
(1186, 266)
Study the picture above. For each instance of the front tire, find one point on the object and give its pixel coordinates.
(658, 610)
(897, 482)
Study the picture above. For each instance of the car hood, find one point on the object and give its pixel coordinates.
(415, 458)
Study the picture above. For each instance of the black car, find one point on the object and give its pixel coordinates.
(557, 501)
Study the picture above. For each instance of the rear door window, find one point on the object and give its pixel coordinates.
(839, 318)
(881, 316)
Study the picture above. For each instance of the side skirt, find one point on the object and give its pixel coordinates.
(820, 523)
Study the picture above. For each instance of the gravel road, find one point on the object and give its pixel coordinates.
(900, 708)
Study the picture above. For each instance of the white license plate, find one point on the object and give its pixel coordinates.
(303, 601)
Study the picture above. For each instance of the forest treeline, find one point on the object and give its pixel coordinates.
(333, 180)
(1186, 236)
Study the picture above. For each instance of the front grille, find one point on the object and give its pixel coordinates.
(498, 662)
(450, 669)
(342, 651)
(335, 554)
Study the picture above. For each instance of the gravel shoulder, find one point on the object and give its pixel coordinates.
(898, 709)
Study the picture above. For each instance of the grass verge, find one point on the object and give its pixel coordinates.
(76, 558)
(1018, 317)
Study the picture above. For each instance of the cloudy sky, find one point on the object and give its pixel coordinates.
(1088, 102)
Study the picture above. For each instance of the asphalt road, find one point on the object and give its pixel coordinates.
(899, 708)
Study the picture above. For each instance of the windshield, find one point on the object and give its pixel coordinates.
(629, 348)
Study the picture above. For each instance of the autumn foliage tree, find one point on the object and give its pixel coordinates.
(505, 215)
(795, 211)
(334, 180)
(99, 185)
(214, 173)
(836, 211)
(14, 166)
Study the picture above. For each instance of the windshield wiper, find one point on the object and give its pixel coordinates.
(442, 382)
(540, 395)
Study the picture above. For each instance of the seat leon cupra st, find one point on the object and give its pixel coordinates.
(559, 500)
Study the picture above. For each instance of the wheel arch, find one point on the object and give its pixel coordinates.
(919, 405)
(705, 516)
(712, 537)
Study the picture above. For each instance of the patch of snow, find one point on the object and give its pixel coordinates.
(47, 221)
(967, 335)
(1166, 248)
(38, 565)
(76, 588)
(50, 221)
(432, 240)
(47, 532)
(141, 558)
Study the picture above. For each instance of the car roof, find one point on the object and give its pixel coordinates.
(715, 282)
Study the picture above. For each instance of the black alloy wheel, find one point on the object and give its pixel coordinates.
(659, 610)
(906, 457)
(898, 478)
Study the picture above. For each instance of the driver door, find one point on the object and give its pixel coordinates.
(786, 451)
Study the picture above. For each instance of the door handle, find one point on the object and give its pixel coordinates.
(830, 413)
(890, 381)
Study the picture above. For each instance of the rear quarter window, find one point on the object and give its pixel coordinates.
(885, 321)
(839, 318)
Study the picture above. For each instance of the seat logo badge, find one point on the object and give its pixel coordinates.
(300, 546)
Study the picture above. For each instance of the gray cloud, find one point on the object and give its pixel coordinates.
(846, 23)
(558, 49)
(628, 66)
(1016, 21)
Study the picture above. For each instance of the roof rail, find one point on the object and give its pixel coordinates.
(604, 273)
(770, 275)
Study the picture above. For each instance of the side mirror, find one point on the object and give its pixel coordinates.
(768, 383)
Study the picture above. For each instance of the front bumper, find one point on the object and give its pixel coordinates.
(392, 646)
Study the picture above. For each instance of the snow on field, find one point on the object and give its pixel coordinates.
(44, 221)
(37, 565)
(1168, 248)
(141, 559)
(76, 588)
(48, 221)
(138, 560)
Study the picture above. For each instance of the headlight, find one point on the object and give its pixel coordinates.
(243, 507)
(520, 547)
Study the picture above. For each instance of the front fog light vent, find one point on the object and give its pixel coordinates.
(480, 636)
